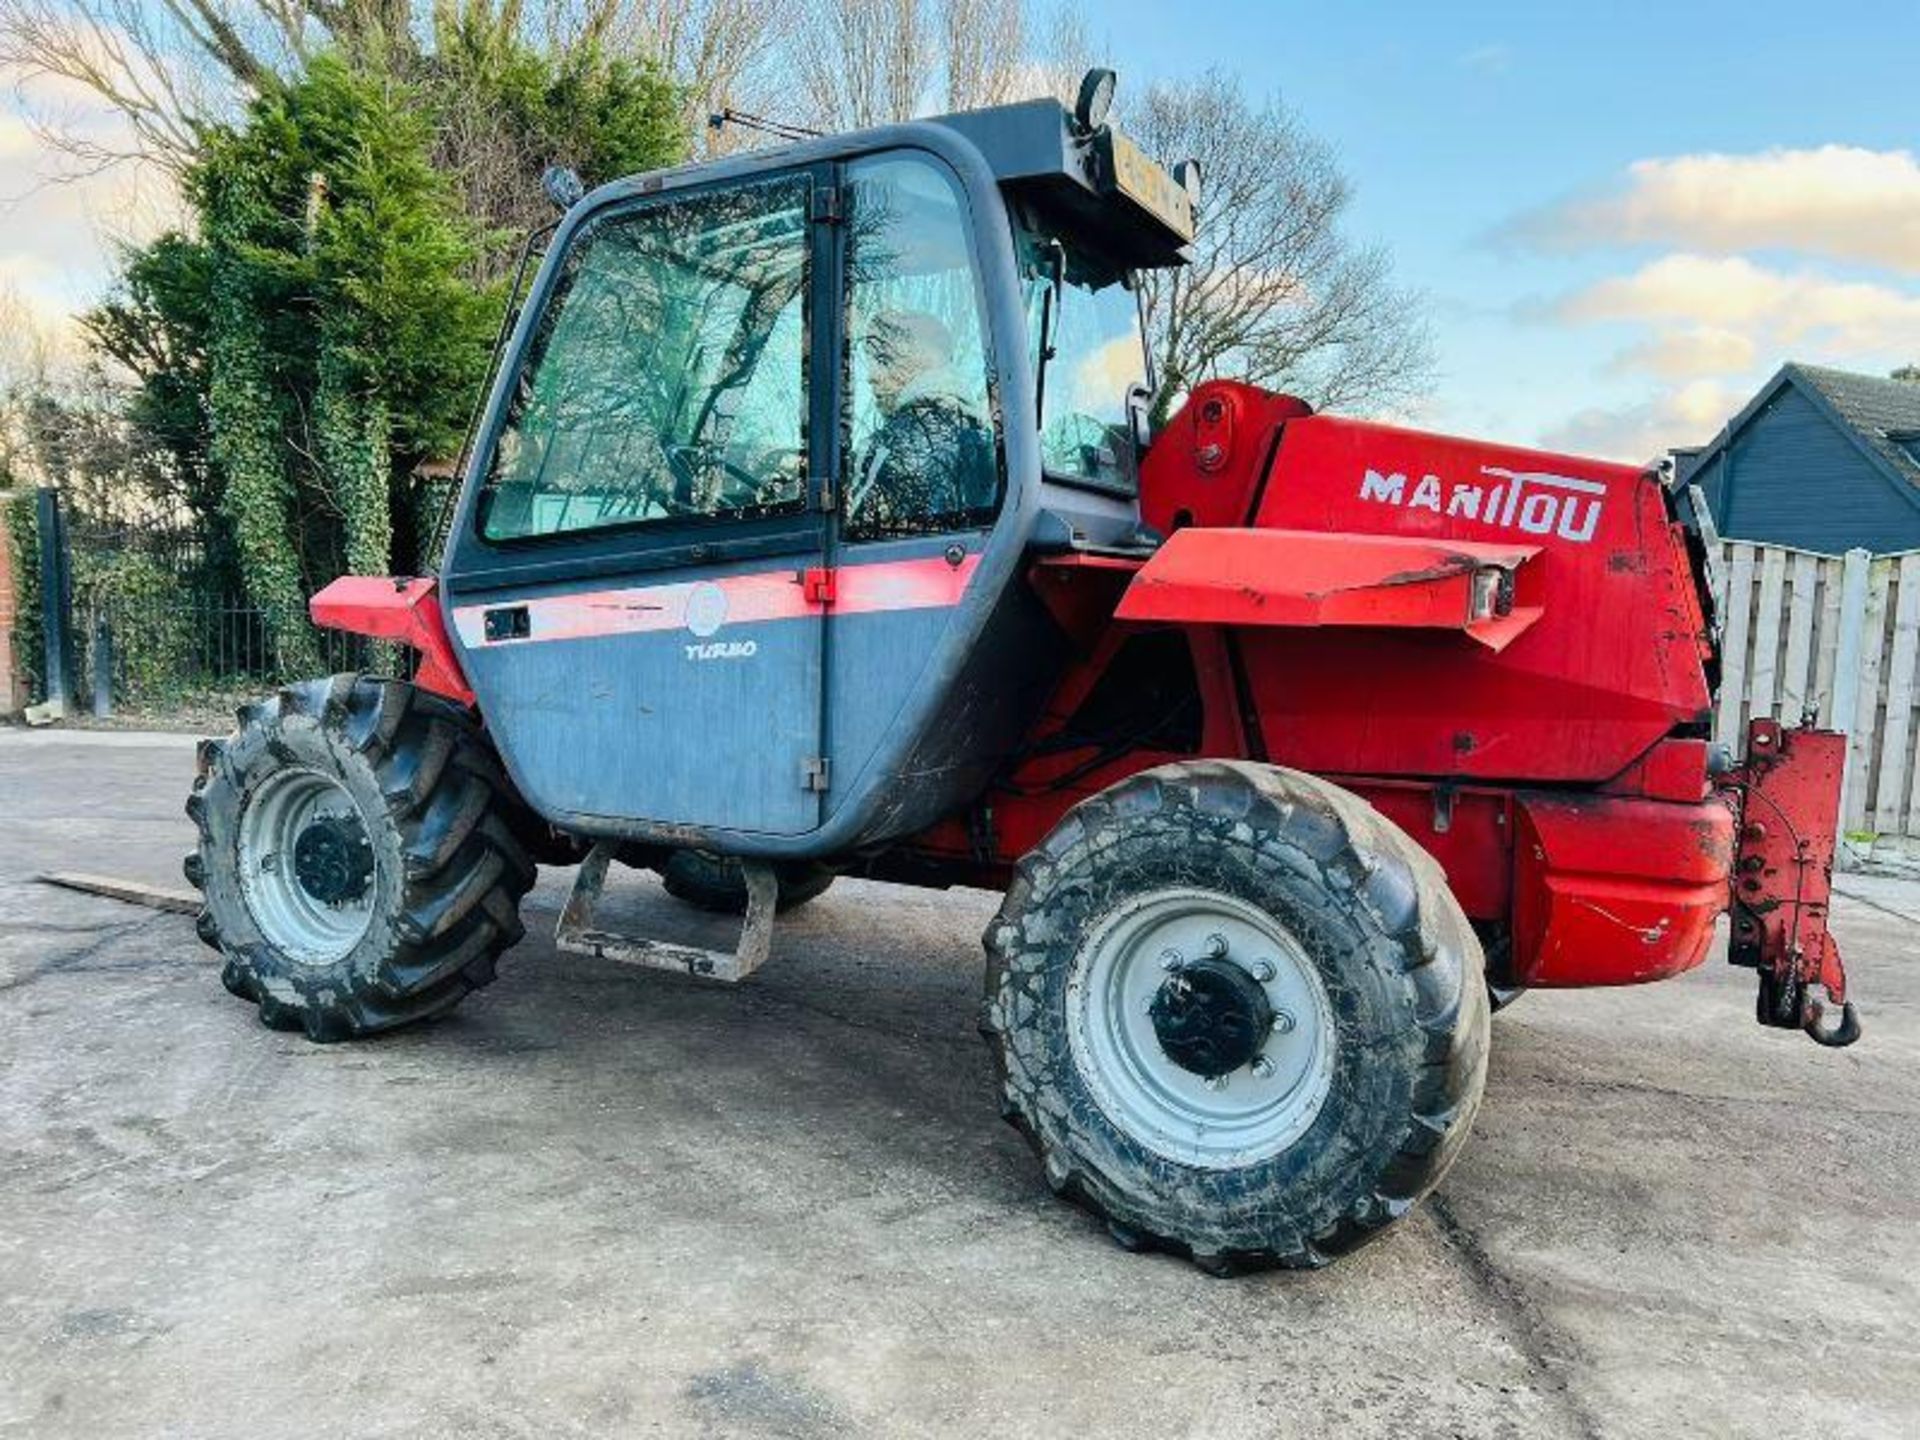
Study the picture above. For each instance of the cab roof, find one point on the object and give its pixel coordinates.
(1098, 182)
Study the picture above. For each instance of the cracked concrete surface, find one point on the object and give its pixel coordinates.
(598, 1201)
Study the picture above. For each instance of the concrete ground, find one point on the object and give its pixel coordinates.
(599, 1201)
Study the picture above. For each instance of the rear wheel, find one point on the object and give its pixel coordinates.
(359, 867)
(1238, 1013)
(714, 882)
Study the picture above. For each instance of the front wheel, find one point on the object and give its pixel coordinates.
(1238, 1013)
(357, 857)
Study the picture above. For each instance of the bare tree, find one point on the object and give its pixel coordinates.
(164, 69)
(870, 62)
(986, 52)
(864, 62)
(168, 68)
(723, 54)
(1060, 51)
(1276, 294)
(24, 350)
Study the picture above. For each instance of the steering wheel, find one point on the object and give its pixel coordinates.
(739, 486)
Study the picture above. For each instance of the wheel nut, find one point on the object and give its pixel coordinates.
(1283, 1022)
(1171, 960)
(269, 864)
(1262, 1067)
(1263, 970)
(1216, 1082)
(1216, 947)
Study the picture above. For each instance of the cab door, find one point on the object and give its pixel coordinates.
(634, 582)
(922, 479)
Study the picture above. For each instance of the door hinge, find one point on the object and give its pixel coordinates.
(815, 771)
(817, 585)
(826, 205)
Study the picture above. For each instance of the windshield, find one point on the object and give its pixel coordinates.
(1098, 354)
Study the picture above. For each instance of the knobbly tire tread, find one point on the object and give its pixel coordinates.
(450, 870)
(709, 882)
(1347, 883)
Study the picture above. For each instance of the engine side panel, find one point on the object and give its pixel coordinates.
(1612, 665)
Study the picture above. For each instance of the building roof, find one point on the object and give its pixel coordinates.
(1885, 413)
(1880, 415)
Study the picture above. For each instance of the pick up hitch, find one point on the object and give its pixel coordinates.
(1787, 801)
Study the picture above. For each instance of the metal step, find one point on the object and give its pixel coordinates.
(576, 934)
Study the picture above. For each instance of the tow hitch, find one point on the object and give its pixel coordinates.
(1787, 799)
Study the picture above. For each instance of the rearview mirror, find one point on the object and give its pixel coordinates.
(562, 187)
(1140, 417)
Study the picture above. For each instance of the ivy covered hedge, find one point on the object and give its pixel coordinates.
(323, 326)
(23, 545)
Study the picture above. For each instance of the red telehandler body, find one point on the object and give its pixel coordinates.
(814, 528)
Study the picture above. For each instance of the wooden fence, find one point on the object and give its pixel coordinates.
(1836, 637)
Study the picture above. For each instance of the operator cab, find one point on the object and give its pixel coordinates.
(751, 505)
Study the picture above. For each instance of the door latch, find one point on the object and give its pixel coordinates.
(814, 772)
(509, 622)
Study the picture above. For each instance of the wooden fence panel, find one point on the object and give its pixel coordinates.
(1763, 673)
(1796, 640)
(1862, 747)
(1896, 741)
(1796, 679)
(1736, 620)
(1833, 578)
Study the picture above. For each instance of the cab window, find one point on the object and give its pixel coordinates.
(667, 380)
(918, 441)
(1098, 355)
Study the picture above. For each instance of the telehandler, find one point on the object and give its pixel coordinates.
(814, 525)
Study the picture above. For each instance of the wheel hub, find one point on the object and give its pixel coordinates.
(307, 865)
(1211, 1017)
(1201, 1026)
(333, 860)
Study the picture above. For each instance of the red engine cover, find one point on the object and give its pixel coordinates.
(1610, 667)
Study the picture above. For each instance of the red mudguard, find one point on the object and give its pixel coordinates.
(1615, 889)
(1311, 579)
(407, 611)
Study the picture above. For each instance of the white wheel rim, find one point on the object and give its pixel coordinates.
(1247, 1115)
(304, 928)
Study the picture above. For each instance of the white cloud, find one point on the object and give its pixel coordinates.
(58, 227)
(17, 138)
(1839, 201)
(1717, 315)
(1105, 372)
(1637, 433)
(1710, 329)
(1697, 350)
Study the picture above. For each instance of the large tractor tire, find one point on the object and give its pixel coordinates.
(1238, 1013)
(714, 882)
(356, 855)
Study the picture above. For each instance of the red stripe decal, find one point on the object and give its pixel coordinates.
(707, 606)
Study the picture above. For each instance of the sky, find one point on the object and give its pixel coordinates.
(1621, 219)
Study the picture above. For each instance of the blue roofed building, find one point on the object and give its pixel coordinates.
(1820, 459)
